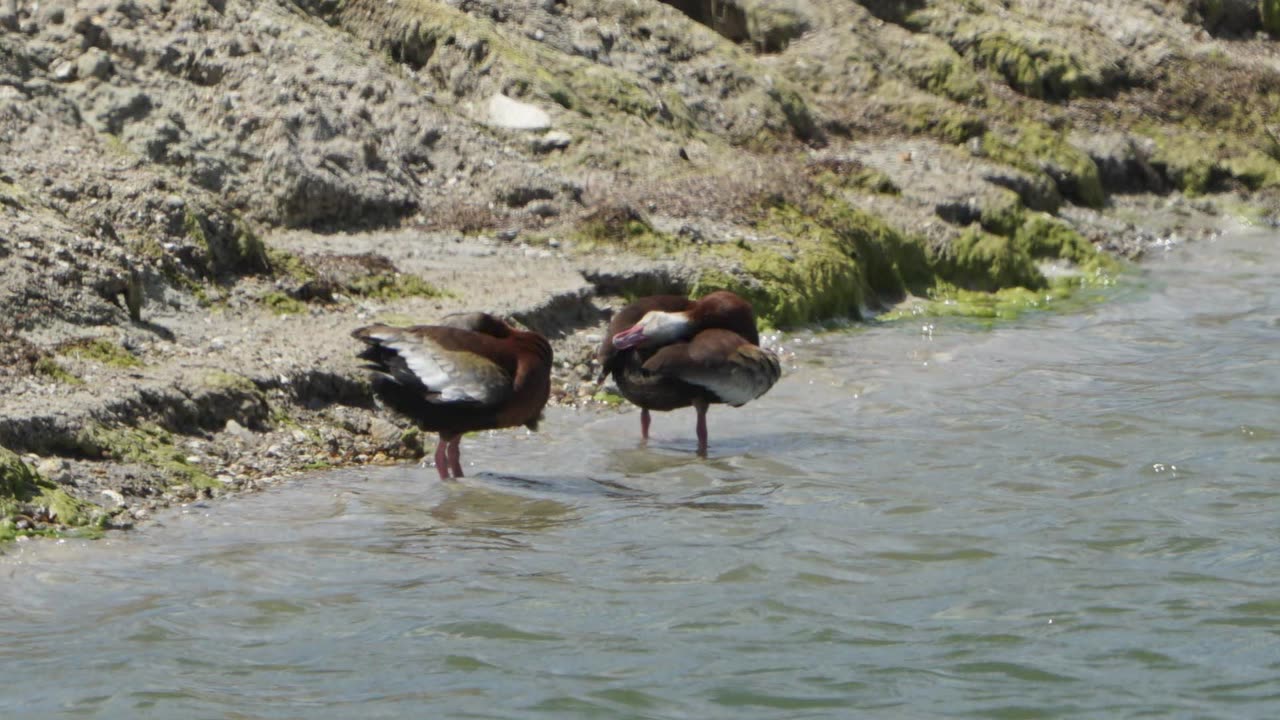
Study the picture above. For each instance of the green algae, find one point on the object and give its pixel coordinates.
(986, 261)
(101, 350)
(288, 265)
(1270, 12)
(1039, 61)
(1199, 162)
(944, 300)
(1043, 236)
(24, 491)
(1002, 212)
(50, 368)
(608, 398)
(622, 226)
(851, 175)
(1039, 150)
(933, 66)
(815, 257)
(223, 380)
(978, 260)
(393, 286)
(283, 304)
(149, 445)
(920, 113)
(236, 249)
(836, 261)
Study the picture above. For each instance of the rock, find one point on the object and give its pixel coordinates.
(9, 16)
(51, 468)
(1123, 161)
(95, 63)
(522, 195)
(114, 496)
(311, 188)
(113, 108)
(238, 431)
(384, 433)
(554, 140)
(510, 114)
(64, 71)
(543, 209)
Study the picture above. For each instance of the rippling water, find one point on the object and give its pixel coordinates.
(1067, 516)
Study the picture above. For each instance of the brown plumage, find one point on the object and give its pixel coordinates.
(471, 372)
(667, 352)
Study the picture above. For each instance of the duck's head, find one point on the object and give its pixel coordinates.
(655, 328)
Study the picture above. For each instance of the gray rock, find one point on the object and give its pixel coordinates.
(384, 433)
(95, 63)
(554, 140)
(238, 431)
(113, 108)
(505, 112)
(51, 467)
(114, 498)
(1123, 161)
(9, 15)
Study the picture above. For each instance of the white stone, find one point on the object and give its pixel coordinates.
(505, 112)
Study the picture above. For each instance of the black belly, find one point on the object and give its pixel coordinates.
(433, 417)
(652, 391)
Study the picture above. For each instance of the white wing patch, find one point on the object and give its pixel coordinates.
(456, 376)
(748, 375)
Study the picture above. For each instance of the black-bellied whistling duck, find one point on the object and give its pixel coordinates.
(472, 372)
(667, 352)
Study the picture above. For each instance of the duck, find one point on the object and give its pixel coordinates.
(667, 352)
(470, 372)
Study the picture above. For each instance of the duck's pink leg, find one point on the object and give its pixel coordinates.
(442, 460)
(644, 424)
(701, 407)
(455, 455)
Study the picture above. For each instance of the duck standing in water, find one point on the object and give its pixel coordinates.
(472, 372)
(667, 352)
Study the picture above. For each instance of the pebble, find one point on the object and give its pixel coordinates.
(64, 71)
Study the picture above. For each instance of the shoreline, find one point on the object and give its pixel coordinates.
(134, 439)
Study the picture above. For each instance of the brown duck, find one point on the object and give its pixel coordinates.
(471, 372)
(667, 352)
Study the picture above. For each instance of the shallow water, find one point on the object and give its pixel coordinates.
(1067, 516)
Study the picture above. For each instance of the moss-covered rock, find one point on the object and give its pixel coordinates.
(148, 445)
(1270, 11)
(392, 286)
(24, 492)
(1037, 149)
(283, 304)
(1198, 162)
(101, 350)
(49, 368)
(835, 261)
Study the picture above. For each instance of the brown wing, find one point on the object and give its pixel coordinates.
(728, 311)
(723, 362)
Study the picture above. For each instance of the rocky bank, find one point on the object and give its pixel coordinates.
(200, 199)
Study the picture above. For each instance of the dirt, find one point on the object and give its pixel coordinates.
(200, 200)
